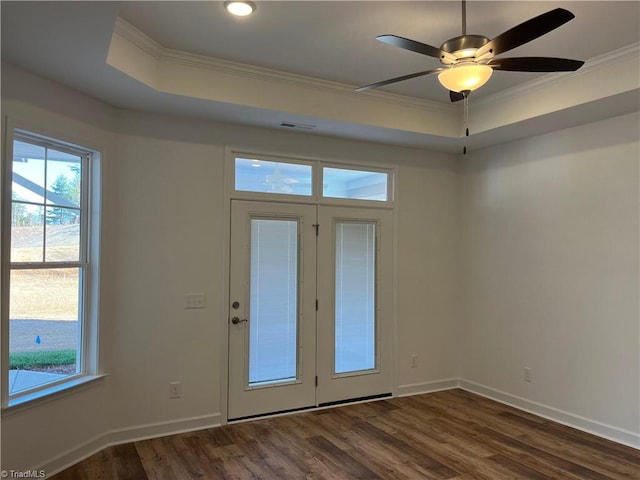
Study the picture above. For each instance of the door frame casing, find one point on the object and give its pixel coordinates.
(229, 193)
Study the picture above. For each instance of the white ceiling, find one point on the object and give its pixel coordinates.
(328, 40)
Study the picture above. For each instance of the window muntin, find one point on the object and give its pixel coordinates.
(354, 184)
(48, 263)
(266, 176)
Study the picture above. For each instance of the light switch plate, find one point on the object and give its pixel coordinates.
(194, 300)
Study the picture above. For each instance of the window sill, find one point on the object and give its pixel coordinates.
(54, 392)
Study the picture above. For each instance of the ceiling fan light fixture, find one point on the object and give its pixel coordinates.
(467, 77)
(240, 9)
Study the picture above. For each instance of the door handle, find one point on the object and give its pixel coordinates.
(236, 320)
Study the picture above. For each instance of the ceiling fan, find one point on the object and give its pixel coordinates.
(469, 60)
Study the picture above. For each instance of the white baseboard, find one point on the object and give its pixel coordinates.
(72, 456)
(161, 429)
(127, 435)
(427, 387)
(603, 430)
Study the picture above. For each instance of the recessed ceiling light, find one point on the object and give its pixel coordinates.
(240, 9)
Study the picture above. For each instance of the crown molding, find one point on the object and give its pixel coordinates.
(137, 38)
(167, 55)
(606, 60)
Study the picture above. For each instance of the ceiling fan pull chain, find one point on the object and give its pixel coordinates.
(465, 118)
(466, 114)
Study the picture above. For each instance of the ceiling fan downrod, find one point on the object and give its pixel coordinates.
(464, 17)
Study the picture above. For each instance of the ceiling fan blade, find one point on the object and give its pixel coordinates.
(535, 64)
(397, 79)
(527, 31)
(414, 46)
(455, 96)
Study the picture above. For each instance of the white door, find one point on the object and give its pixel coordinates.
(272, 328)
(355, 311)
(310, 306)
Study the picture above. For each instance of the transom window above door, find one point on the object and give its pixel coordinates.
(355, 184)
(262, 177)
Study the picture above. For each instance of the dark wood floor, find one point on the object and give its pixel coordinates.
(446, 435)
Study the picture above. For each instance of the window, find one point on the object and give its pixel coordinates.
(262, 176)
(354, 184)
(48, 229)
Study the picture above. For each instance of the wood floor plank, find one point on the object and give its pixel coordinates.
(563, 464)
(159, 461)
(387, 464)
(340, 460)
(446, 435)
(460, 454)
(279, 451)
(126, 463)
(517, 469)
(404, 449)
(619, 460)
(454, 443)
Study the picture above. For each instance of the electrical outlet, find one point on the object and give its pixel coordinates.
(527, 374)
(175, 390)
(194, 300)
(414, 361)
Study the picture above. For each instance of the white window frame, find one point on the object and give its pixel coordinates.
(356, 201)
(87, 263)
(317, 169)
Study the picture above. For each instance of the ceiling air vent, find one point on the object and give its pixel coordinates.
(299, 126)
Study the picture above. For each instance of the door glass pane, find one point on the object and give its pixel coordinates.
(356, 184)
(355, 302)
(273, 305)
(253, 175)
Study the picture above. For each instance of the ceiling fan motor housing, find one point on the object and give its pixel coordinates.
(463, 46)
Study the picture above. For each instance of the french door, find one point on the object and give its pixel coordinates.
(310, 306)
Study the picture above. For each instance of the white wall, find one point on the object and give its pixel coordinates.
(163, 237)
(550, 264)
(428, 284)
